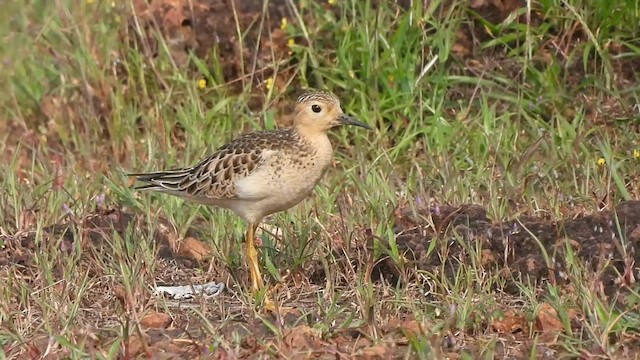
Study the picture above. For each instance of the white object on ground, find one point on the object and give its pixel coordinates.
(182, 292)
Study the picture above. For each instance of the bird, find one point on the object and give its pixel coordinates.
(263, 172)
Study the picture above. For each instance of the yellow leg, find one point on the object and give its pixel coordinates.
(254, 267)
(252, 258)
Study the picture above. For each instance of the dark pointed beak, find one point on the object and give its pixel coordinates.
(348, 120)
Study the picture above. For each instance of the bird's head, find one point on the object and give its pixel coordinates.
(320, 111)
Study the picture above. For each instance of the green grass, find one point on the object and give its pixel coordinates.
(517, 127)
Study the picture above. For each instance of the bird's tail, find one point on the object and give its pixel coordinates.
(161, 180)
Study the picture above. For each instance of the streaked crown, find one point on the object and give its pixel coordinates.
(322, 96)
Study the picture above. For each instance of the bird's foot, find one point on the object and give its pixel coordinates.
(273, 306)
(270, 305)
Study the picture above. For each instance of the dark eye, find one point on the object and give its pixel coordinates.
(316, 108)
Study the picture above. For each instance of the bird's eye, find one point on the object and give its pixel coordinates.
(316, 108)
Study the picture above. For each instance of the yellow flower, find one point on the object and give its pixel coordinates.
(202, 83)
(269, 83)
(601, 162)
(283, 23)
(352, 74)
(636, 154)
(391, 78)
(331, 2)
(90, 1)
(291, 42)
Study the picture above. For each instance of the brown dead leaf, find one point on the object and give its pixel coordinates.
(372, 352)
(411, 328)
(513, 321)
(194, 249)
(156, 320)
(547, 319)
(408, 327)
(301, 339)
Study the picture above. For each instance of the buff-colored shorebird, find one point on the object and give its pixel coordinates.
(263, 172)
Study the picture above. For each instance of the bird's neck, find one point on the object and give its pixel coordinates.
(316, 139)
(311, 134)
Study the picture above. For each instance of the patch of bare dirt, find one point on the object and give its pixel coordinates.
(606, 242)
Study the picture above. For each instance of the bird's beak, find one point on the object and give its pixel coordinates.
(348, 120)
